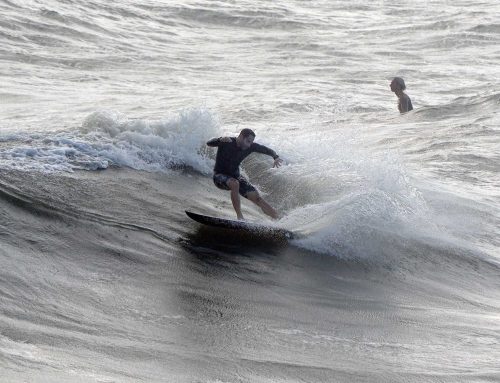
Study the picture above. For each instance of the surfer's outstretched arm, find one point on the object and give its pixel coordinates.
(217, 141)
(265, 150)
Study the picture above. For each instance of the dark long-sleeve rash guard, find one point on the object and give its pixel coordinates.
(230, 155)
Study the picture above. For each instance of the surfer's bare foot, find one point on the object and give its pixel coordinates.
(241, 218)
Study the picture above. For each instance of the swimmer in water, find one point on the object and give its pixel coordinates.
(404, 103)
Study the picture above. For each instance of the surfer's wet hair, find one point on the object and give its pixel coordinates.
(247, 132)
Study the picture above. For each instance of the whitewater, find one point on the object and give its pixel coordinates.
(105, 110)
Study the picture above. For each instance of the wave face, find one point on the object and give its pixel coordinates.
(105, 112)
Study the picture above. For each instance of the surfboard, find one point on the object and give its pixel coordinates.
(250, 227)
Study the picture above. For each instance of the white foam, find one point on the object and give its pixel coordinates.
(359, 194)
(108, 138)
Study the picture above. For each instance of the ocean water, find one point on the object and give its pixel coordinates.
(105, 108)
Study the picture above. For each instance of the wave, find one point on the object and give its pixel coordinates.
(347, 199)
(459, 107)
(350, 199)
(271, 17)
(107, 138)
(357, 204)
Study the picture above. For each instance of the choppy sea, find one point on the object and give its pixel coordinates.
(105, 108)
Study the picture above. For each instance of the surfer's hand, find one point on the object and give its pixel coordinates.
(277, 162)
(225, 139)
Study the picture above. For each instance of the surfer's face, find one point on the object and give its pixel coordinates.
(245, 142)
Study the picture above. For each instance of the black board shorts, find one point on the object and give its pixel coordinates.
(220, 180)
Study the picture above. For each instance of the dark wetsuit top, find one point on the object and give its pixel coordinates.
(230, 155)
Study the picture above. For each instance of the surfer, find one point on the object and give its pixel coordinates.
(398, 86)
(230, 152)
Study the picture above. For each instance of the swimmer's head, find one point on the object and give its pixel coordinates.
(398, 84)
(245, 139)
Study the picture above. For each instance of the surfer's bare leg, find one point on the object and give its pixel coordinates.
(234, 186)
(259, 201)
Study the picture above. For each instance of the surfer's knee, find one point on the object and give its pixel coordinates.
(233, 184)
